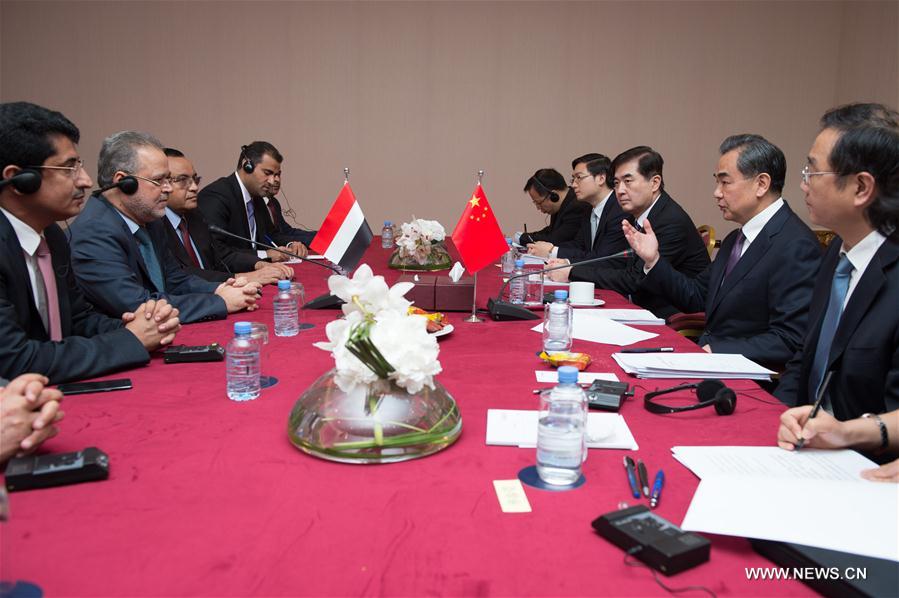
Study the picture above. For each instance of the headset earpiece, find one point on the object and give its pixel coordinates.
(26, 181)
(128, 185)
(553, 196)
(248, 166)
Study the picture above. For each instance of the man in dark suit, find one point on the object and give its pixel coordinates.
(550, 194)
(641, 193)
(600, 233)
(756, 292)
(119, 251)
(281, 225)
(851, 187)
(234, 203)
(46, 325)
(189, 238)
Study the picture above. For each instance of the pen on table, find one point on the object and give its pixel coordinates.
(818, 400)
(644, 477)
(631, 476)
(657, 489)
(649, 350)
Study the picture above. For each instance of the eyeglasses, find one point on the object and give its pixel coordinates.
(806, 174)
(578, 177)
(73, 170)
(159, 181)
(184, 180)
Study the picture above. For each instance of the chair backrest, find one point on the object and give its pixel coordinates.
(825, 237)
(708, 237)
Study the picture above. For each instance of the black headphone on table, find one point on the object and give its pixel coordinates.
(545, 191)
(27, 181)
(248, 166)
(711, 393)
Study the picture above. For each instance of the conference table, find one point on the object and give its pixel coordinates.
(207, 497)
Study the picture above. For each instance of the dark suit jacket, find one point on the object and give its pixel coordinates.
(865, 350)
(296, 234)
(221, 203)
(761, 309)
(199, 233)
(111, 272)
(609, 236)
(564, 224)
(92, 344)
(679, 243)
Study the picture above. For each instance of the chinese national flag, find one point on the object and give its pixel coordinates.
(478, 236)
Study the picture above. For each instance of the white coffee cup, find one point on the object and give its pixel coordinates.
(581, 292)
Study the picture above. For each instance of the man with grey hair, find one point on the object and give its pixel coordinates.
(756, 293)
(119, 252)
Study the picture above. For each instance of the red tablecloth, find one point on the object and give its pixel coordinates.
(207, 496)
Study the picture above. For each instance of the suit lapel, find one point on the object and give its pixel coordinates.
(19, 271)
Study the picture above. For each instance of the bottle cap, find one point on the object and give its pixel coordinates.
(388, 223)
(567, 374)
(560, 294)
(242, 328)
(508, 240)
(283, 285)
(519, 263)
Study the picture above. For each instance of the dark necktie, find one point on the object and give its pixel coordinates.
(272, 212)
(150, 260)
(251, 220)
(735, 253)
(838, 290)
(188, 246)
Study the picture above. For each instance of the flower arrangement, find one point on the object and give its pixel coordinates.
(418, 239)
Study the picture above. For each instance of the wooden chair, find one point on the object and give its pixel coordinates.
(824, 237)
(707, 233)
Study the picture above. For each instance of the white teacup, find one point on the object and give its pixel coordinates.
(581, 292)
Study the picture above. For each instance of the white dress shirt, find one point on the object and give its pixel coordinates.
(860, 256)
(29, 239)
(261, 254)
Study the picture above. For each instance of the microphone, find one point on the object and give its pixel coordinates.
(127, 184)
(503, 310)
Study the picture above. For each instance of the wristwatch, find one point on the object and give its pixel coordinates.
(884, 437)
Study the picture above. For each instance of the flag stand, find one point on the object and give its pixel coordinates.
(473, 318)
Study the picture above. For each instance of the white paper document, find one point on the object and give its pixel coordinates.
(691, 365)
(771, 462)
(294, 260)
(514, 427)
(642, 317)
(588, 326)
(582, 377)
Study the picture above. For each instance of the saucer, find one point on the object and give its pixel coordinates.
(594, 303)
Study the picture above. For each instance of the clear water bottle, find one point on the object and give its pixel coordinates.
(287, 317)
(517, 288)
(242, 364)
(508, 261)
(387, 235)
(557, 323)
(561, 432)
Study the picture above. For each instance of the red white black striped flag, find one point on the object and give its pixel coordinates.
(344, 235)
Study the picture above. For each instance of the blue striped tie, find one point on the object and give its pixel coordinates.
(838, 291)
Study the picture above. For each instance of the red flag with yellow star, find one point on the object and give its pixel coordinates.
(477, 235)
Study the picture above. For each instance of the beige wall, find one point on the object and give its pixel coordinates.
(415, 97)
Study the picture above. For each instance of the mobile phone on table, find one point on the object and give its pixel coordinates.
(80, 388)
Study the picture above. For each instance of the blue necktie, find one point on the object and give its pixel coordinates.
(150, 260)
(838, 290)
(251, 220)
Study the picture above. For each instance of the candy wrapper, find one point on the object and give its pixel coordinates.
(560, 358)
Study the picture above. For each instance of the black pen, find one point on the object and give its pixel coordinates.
(631, 476)
(644, 477)
(649, 350)
(821, 390)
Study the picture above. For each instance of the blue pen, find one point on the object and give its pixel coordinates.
(657, 489)
(631, 476)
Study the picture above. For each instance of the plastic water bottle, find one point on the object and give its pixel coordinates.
(561, 431)
(517, 286)
(508, 261)
(287, 317)
(387, 235)
(557, 323)
(242, 364)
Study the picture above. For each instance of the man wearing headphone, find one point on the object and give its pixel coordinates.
(235, 203)
(551, 195)
(46, 324)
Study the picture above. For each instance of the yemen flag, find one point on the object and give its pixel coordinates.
(478, 236)
(344, 235)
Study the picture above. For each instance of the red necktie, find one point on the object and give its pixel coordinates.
(185, 238)
(45, 264)
(271, 210)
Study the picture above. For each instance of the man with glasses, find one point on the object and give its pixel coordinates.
(756, 293)
(46, 324)
(190, 240)
(119, 251)
(550, 195)
(235, 203)
(640, 189)
(601, 233)
(850, 354)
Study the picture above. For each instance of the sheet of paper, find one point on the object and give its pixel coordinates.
(590, 327)
(582, 377)
(643, 317)
(512, 498)
(859, 518)
(308, 257)
(771, 462)
(690, 365)
(514, 427)
(532, 259)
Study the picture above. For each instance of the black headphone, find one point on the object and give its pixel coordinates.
(709, 392)
(248, 166)
(127, 184)
(27, 181)
(545, 191)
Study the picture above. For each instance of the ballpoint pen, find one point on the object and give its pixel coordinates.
(631, 476)
(644, 477)
(821, 390)
(649, 350)
(657, 489)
